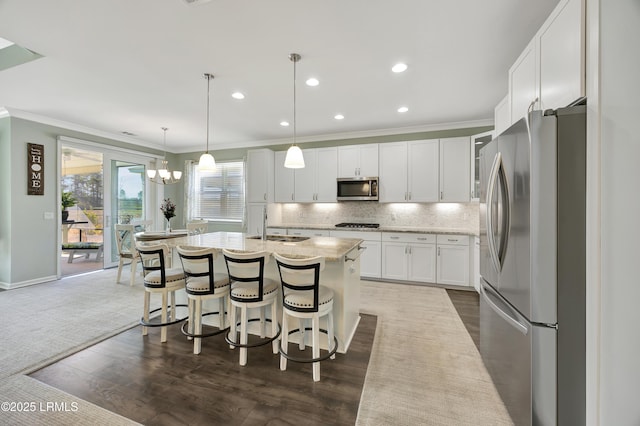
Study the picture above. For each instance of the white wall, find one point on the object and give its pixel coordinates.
(617, 100)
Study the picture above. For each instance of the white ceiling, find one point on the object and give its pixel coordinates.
(138, 65)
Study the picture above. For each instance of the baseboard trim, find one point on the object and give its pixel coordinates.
(11, 286)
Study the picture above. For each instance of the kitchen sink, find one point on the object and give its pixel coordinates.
(280, 238)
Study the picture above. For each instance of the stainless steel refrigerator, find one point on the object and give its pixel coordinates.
(532, 266)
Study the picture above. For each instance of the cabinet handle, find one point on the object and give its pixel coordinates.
(405, 196)
(292, 196)
(265, 196)
(405, 250)
(455, 240)
(438, 251)
(441, 195)
(409, 196)
(394, 238)
(410, 252)
(422, 238)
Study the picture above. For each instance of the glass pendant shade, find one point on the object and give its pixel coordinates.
(163, 175)
(207, 162)
(151, 173)
(177, 174)
(294, 158)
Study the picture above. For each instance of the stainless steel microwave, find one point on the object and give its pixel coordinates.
(358, 189)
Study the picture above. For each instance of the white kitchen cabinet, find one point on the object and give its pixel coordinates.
(370, 258)
(408, 256)
(455, 168)
(453, 259)
(260, 176)
(316, 182)
(358, 161)
(276, 231)
(523, 86)
(284, 180)
(409, 171)
(477, 143)
(561, 47)
(255, 218)
(308, 232)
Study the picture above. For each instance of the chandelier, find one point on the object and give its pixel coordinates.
(163, 175)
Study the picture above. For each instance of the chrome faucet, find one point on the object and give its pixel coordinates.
(264, 223)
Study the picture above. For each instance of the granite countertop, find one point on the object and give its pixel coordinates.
(414, 229)
(331, 249)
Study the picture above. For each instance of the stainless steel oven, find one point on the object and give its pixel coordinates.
(358, 189)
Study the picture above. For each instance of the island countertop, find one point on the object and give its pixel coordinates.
(330, 248)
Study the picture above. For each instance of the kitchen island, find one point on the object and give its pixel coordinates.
(341, 273)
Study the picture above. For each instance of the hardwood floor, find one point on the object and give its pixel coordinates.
(467, 303)
(154, 383)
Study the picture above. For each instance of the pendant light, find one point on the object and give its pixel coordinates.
(294, 158)
(163, 175)
(207, 162)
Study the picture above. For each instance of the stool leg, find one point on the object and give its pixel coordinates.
(301, 344)
(243, 335)
(330, 333)
(262, 322)
(233, 336)
(132, 279)
(315, 325)
(145, 314)
(120, 265)
(163, 332)
(173, 306)
(284, 338)
(274, 326)
(221, 316)
(197, 341)
(190, 308)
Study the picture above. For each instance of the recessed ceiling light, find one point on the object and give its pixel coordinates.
(284, 123)
(339, 117)
(403, 109)
(479, 143)
(237, 95)
(399, 67)
(312, 82)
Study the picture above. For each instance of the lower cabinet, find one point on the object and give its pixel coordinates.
(409, 257)
(453, 259)
(370, 257)
(308, 232)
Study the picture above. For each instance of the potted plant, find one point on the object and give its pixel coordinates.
(68, 200)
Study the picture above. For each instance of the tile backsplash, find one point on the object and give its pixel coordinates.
(431, 215)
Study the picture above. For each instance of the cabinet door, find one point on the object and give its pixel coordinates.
(368, 160)
(370, 259)
(284, 178)
(422, 263)
(502, 116)
(260, 176)
(392, 186)
(423, 171)
(453, 265)
(255, 220)
(523, 88)
(348, 160)
(326, 174)
(305, 178)
(394, 261)
(561, 51)
(455, 170)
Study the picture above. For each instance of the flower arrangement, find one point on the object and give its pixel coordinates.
(168, 208)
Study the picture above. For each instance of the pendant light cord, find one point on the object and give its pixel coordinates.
(208, 103)
(294, 100)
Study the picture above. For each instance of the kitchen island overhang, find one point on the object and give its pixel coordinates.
(341, 273)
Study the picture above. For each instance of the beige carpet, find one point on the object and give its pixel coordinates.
(424, 367)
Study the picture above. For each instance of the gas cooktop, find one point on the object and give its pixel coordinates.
(357, 225)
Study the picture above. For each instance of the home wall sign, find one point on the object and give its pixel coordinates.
(35, 169)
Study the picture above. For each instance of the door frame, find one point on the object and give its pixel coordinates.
(153, 192)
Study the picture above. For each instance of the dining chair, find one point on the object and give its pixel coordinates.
(251, 289)
(305, 299)
(159, 279)
(196, 227)
(142, 225)
(126, 250)
(202, 283)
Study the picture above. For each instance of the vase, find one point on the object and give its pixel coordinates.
(168, 225)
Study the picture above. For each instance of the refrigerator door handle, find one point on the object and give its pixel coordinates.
(493, 176)
(510, 317)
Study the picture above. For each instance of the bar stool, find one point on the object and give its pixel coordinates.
(159, 279)
(304, 298)
(251, 289)
(202, 283)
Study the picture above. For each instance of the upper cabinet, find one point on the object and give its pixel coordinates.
(409, 171)
(316, 182)
(502, 116)
(550, 72)
(260, 176)
(455, 170)
(358, 161)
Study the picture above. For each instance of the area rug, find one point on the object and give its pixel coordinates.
(424, 367)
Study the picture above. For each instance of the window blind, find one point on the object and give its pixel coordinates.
(218, 195)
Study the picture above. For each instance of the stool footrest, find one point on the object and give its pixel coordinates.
(263, 341)
(162, 324)
(309, 360)
(213, 333)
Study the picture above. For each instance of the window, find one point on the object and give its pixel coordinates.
(216, 195)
